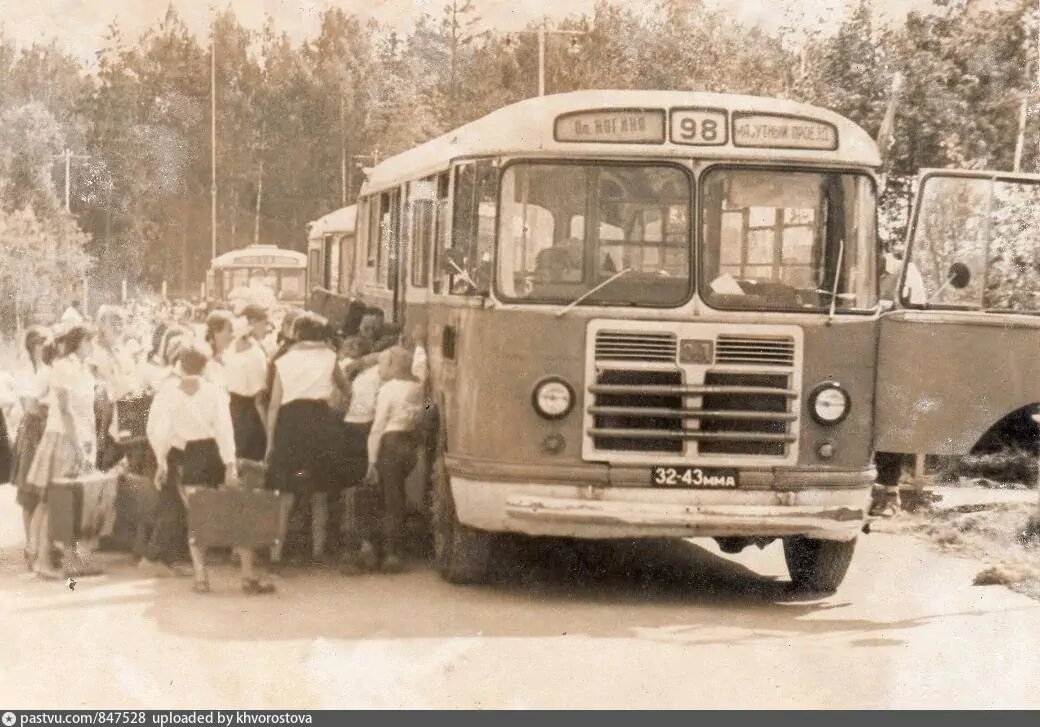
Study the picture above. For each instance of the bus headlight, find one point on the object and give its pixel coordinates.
(552, 398)
(829, 403)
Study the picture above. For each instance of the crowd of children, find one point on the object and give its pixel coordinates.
(328, 418)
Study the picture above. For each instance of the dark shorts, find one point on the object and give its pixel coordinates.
(197, 465)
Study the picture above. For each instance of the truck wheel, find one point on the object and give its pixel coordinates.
(817, 565)
(462, 554)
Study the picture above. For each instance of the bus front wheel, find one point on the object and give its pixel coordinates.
(463, 555)
(818, 566)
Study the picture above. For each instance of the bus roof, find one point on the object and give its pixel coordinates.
(762, 124)
(341, 220)
(261, 256)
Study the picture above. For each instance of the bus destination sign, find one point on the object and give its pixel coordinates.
(265, 260)
(775, 131)
(617, 126)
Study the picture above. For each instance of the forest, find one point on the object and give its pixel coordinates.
(296, 122)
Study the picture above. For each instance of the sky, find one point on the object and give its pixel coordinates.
(80, 25)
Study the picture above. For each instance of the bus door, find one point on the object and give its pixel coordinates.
(397, 244)
(961, 350)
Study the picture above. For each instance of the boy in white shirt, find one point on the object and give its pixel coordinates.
(190, 430)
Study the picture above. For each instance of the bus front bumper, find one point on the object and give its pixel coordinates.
(634, 512)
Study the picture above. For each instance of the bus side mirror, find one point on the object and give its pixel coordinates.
(886, 305)
(959, 276)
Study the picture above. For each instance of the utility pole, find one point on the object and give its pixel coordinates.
(1020, 142)
(67, 156)
(541, 59)
(213, 137)
(543, 32)
(343, 171)
(259, 184)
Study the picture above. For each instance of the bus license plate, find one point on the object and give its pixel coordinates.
(702, 477)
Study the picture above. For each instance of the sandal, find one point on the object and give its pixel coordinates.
(200, 586)
(256, 587)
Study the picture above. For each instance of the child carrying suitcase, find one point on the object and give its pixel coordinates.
(189, 428)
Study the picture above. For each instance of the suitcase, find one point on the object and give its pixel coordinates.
(82, 507)
(235, 518)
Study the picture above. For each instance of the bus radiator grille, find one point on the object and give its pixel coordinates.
(657, 417)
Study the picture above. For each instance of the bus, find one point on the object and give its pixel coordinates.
(275, 273)
(959, 369)
(647, 313)
(330, 250)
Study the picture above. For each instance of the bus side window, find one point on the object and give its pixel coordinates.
(331, 253)
(315, 268)
(374, 229)
(346, 264)
(441, 241)
(422, 198)
(476, 189)
(389, 267)
(385, 235)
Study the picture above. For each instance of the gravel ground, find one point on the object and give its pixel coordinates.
(986, 532)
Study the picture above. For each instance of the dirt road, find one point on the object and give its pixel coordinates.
(649, 625)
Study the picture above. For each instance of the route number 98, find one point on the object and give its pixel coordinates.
(699, 127)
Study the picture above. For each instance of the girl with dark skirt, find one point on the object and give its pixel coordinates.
(304, 432)
(189, 428)
(30, 429)
(243, 373)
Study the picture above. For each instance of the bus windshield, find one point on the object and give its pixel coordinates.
(990, 229)
(784, 240)
(565, 229)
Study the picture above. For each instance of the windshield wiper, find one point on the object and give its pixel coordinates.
(837, 279)
(584, 296)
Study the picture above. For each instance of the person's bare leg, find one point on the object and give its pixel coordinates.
(197, 553)
(319, 524)
(41, 547)
(283, 529)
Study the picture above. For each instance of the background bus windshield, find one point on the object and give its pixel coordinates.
(773, 240)
(566, 228)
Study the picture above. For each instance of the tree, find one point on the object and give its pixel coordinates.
(30, 137)
(41, 259)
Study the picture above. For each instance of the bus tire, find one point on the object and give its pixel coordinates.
(462, 554)
(817, 566)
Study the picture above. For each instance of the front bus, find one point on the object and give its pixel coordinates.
(675, 335)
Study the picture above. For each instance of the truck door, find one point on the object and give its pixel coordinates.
(960, 352)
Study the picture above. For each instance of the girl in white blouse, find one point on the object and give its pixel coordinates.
(32, 393)
(69, 439)
(304, 433)
(392, 452)
(243, 372)
(190, 431)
